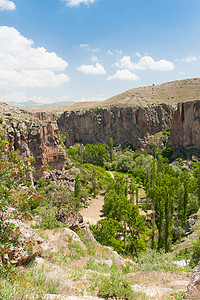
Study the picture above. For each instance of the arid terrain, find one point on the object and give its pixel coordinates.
(171, 93)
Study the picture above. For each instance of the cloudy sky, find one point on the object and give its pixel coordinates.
(82, 50)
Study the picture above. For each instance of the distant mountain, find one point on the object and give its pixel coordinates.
(169, 93)
(31, 103)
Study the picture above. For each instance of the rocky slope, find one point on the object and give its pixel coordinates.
(33, 138)
(170, 92)
(125, 125)
(185, 132)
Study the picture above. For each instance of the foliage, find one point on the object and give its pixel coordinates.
(77, 189)
(171, 191)
(62, 136)
(124, 229)
(115, 287)
(48, 217)
(97, 266)
(154, 260)
(92, 154)
(13, 171)
(196, 249)
(110, 148)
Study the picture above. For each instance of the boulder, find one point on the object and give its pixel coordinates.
(193, 289)
(189, 227)
(29, 245)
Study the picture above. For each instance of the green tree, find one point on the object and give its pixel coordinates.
(13, 170)
(77, 188)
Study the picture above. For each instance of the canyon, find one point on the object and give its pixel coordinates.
(34, 138)
(37, 135)
(185, 132)
(125, 125)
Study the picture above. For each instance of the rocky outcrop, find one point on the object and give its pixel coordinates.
(125, 125)
(28, 246)
(33, 138)
(185, 132)
(193, 289)
(43, 116)
(190, 224)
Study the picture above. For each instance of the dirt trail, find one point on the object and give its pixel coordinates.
(94, 213)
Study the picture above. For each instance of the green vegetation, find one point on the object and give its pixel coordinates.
(146, 207)
(115, 287)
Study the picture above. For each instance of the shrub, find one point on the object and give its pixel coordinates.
(49, 217)
(115, 287)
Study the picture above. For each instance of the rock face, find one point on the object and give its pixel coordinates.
(125, 125)
(29, 245)
(193, 289)
(185, 132)
(34, 138)
(189, 226)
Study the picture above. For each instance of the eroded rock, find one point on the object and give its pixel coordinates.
(193, 289)
(33, 138)
(125, 125)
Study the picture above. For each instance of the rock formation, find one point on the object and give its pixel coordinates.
(125, 125)
(185, 132)
(33, 138)
(193, 289)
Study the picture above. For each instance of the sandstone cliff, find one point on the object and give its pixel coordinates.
(185, 132)
(125, 125)
(34, 138)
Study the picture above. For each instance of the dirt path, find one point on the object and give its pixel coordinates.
(94, 213)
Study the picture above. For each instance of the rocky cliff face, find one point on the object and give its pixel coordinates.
(125, 125)
(185, 132)
(34, 138)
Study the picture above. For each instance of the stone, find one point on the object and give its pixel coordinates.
(34, 138)
(29, 245)
(189, 227)
(124, 124)
(75, 237)
(185, 131)
(193, 289)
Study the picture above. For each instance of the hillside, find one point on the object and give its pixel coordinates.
(171, 93)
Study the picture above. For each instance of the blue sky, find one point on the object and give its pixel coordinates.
(80, 50)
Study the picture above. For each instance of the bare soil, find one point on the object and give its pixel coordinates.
(94, 212)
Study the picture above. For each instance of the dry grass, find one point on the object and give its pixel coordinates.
(170, 92)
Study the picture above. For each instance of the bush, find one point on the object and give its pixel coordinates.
(115, 287)
(49, 217)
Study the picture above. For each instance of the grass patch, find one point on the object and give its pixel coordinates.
(157, 261)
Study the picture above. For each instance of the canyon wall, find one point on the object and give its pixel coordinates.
(127, 126)
(185, 132)
(33, 138)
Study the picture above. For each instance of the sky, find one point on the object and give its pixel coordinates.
(90, 50)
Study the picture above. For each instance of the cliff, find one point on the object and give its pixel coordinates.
(185, 132)
(33, 138)
(125, 125)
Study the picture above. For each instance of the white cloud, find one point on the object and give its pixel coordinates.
(98, 69)
(94, 58)
(110, 53)
(145, 62)
(7, 5)
(84, 46)
(25, 66)
(14, 96)
(138, 54)
(88, 48)
(74, 3)
(191, 58)
(124, 75)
